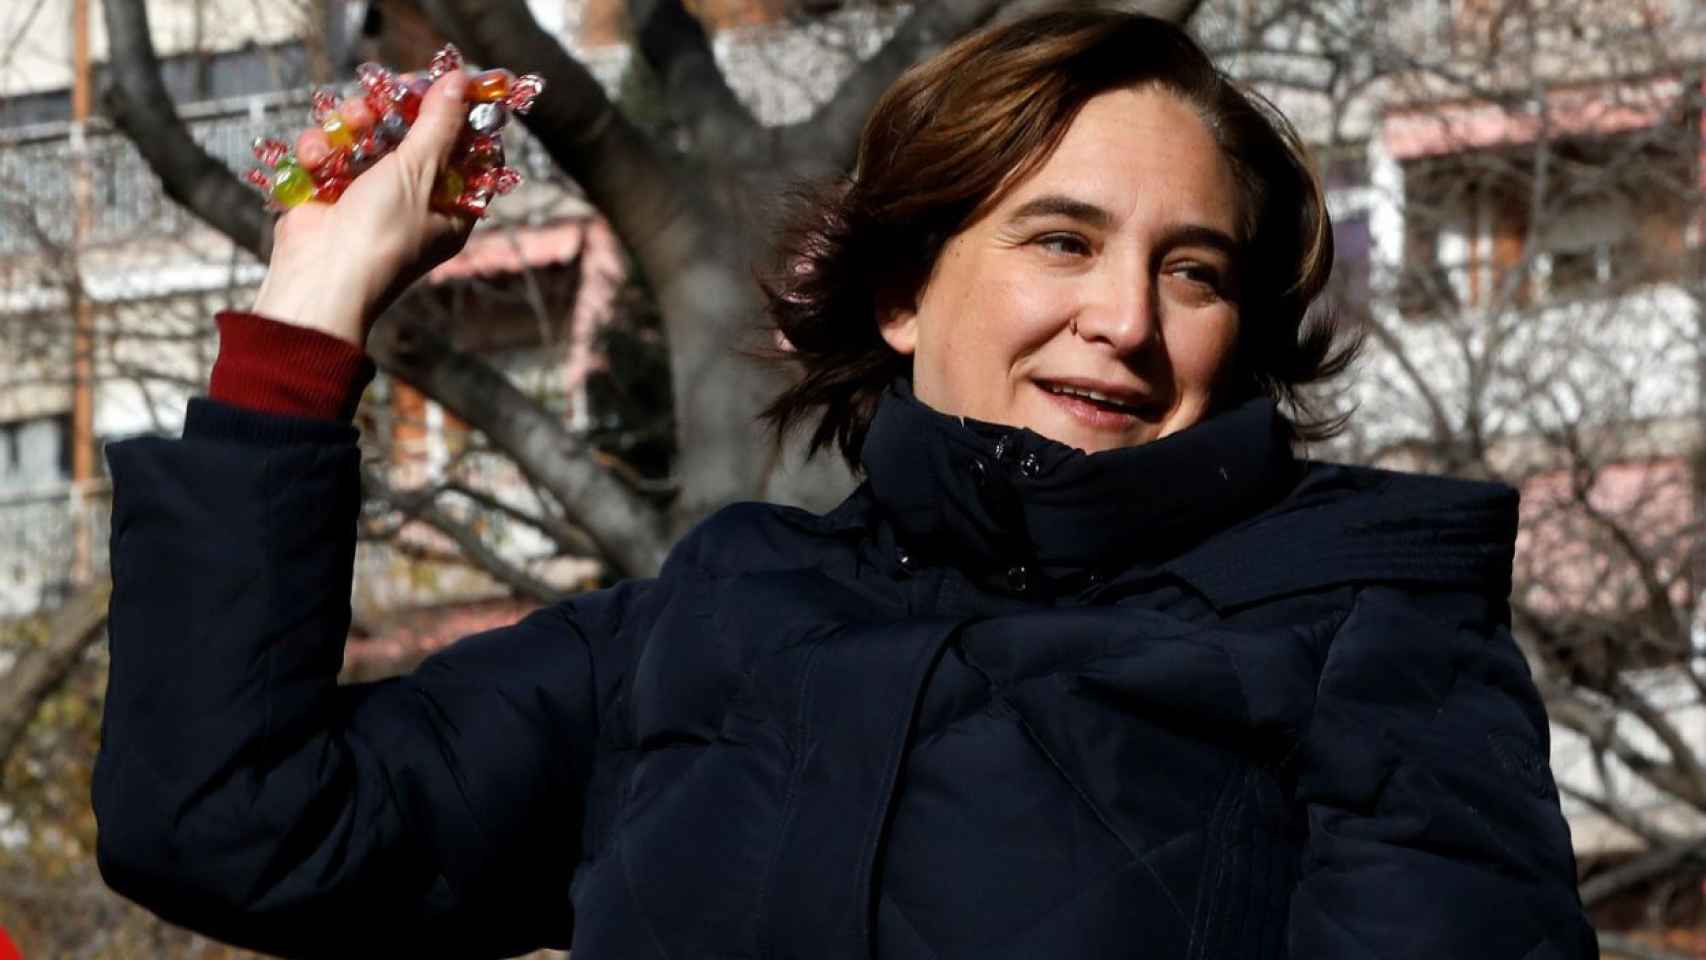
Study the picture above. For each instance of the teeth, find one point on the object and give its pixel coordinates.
(1101, 398)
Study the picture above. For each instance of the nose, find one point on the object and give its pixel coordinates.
(1121, 311)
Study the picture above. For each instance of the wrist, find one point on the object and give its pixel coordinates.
(316, 297)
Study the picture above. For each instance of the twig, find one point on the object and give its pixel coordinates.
(1654, 863)
(1628, 948)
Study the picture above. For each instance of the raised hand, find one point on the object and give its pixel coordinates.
(336, 266)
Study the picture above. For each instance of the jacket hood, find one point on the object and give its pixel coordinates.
(1209, 504)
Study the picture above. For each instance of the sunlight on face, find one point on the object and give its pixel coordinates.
(1096, 303)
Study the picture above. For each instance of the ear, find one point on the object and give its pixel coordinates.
(899, 327)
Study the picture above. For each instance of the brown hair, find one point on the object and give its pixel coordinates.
(956, 132)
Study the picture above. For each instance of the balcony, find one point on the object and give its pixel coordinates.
(129, 205)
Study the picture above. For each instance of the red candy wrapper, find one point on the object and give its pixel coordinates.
(360, 137)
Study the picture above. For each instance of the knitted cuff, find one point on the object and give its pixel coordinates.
(275, 367)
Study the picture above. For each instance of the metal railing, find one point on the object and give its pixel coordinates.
(129, 204)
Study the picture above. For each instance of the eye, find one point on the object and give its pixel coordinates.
(1065, 244)
(1198, 273)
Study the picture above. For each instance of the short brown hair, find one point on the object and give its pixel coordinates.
(956, 132)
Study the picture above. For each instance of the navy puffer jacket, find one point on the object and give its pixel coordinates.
(1189, 699)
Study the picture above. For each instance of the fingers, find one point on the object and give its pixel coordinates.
(429, 142)
(357, 114)
(315, 144)
(313, 147)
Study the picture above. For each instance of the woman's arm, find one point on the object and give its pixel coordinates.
(238, 789)
(1434, 824)
(241, 792)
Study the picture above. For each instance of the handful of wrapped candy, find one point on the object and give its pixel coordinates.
(369, 125)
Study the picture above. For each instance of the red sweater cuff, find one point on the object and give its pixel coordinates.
(277, 367)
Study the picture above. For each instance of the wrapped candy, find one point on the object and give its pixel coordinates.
(375, 119)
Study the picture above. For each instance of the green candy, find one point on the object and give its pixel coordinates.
(291, 185)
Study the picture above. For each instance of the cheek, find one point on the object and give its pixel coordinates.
(1007, 314)
(997, 324)
(1208, 352)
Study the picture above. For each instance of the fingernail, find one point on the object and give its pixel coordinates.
(455, 84)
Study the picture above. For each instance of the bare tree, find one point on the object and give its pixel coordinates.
(1518, 194)
(691, 216)
(689, 193)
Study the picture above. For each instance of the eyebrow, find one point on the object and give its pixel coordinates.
(1059, 205)
(1175, 235)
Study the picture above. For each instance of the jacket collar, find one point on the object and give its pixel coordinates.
(1348, 525)
(988, 497)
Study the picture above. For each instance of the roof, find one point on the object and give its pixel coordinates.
(508, 249)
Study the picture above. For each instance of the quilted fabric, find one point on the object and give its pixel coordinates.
(1192, 699)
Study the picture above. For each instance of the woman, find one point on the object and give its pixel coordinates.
(1089, 666)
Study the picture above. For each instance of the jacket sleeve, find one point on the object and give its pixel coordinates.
(1433, 819)
(241, 792)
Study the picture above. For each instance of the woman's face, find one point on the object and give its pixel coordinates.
(1096, 303)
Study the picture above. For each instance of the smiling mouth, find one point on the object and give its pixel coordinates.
(1096, 399)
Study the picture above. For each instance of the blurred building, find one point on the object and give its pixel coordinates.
(1517, 196)
(530, 292)
(147, 277)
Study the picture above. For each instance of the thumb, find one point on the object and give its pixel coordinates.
(429, 142)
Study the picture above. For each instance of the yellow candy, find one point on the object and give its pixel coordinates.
(447, 189)
(291, 185)
(337, 131)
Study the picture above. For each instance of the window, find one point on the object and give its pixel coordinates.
(1351, 245)
(1614, 212)
(1573, 272)
(35, 454)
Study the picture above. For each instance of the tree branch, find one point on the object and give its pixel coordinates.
(1616, 813)
(137, 101)
(676, 46)
(826, 140)
(694, 251)
(1681, 751)
(485, 558)
(1628, 948)
(566, 535)
(1424, 386)
(1583, 473)
(645, 193)
(40, 670)
(1652, 864)
(1597, 726)
(622, 524)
